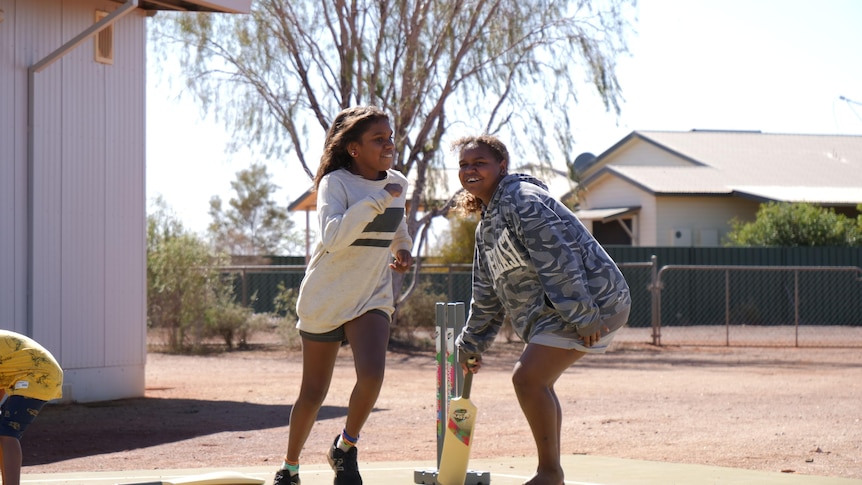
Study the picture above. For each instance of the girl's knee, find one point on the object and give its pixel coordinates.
(522, 381)
(314, 395)
(370, 379)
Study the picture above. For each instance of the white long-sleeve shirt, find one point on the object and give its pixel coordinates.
(362, 226)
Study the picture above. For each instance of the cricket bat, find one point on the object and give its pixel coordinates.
(458, 437)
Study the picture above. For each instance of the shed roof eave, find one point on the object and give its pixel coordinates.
(223, 6)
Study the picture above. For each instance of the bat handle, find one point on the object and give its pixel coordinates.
(468, 382)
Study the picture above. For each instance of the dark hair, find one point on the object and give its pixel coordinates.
(465, 202)
(348, 126)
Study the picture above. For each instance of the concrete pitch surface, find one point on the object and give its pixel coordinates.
(580, 470)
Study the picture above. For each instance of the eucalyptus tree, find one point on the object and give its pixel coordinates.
(253, 224)
(277, 76)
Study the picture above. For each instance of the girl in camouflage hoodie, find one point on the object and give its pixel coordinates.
(537, 264)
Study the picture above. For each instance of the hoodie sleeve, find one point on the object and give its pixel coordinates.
(486, 313)
(557, 256)
(342, 225)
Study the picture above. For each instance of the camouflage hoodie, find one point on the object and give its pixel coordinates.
(537, 263)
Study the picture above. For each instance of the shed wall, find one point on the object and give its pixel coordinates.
(88, 194)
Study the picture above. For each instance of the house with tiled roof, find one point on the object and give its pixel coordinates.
(657, 188)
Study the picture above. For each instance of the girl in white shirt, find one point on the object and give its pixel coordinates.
(346, 294)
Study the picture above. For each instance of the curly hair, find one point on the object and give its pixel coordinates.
(465, 202)
(348, 127)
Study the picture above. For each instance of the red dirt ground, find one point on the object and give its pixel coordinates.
(771, 409)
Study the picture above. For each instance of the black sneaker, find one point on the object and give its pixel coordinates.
(344, 464)
(283, 477)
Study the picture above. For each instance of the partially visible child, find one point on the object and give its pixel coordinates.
(347, 293)
(29, 378)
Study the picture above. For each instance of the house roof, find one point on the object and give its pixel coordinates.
(784, 167)
(821, 195)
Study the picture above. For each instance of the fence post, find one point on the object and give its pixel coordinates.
(655, 291)
(727, 308)
(244, 288)
(796, 304)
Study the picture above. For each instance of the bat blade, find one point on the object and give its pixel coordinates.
(458, 437)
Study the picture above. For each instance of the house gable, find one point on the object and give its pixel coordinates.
(644, 152)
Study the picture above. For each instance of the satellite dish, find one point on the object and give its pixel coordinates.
(583, 161)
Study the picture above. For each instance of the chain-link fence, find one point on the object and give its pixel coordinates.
(801, 306)
(258, 287)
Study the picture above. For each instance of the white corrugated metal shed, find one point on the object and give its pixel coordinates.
(72, 186)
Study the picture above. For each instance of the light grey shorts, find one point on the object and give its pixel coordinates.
(614, 322)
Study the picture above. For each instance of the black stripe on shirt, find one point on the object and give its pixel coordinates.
(386, 222)
(374, 243)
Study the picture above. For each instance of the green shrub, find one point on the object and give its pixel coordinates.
(796, 224)
(417, 316)
(285, 316)
(230, 321)
(181, 284)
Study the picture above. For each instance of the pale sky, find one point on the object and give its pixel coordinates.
(778, 66)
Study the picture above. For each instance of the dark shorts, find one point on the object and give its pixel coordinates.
(17, 413)
(338, 334)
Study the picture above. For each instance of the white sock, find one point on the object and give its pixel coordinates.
(292, 469)
(342, 444)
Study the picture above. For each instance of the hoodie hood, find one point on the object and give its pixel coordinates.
(514, 179)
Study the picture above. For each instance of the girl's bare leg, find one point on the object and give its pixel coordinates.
(534, 376)
(318, 362)
(369, 337)
(11, 456)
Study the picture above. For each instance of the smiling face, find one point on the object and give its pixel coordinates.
(480, 170)
(374, 152)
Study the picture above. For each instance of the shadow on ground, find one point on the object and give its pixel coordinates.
(64, 432)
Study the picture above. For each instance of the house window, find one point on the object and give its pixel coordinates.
(104, 41)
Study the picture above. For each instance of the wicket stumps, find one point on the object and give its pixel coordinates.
(450, 320)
